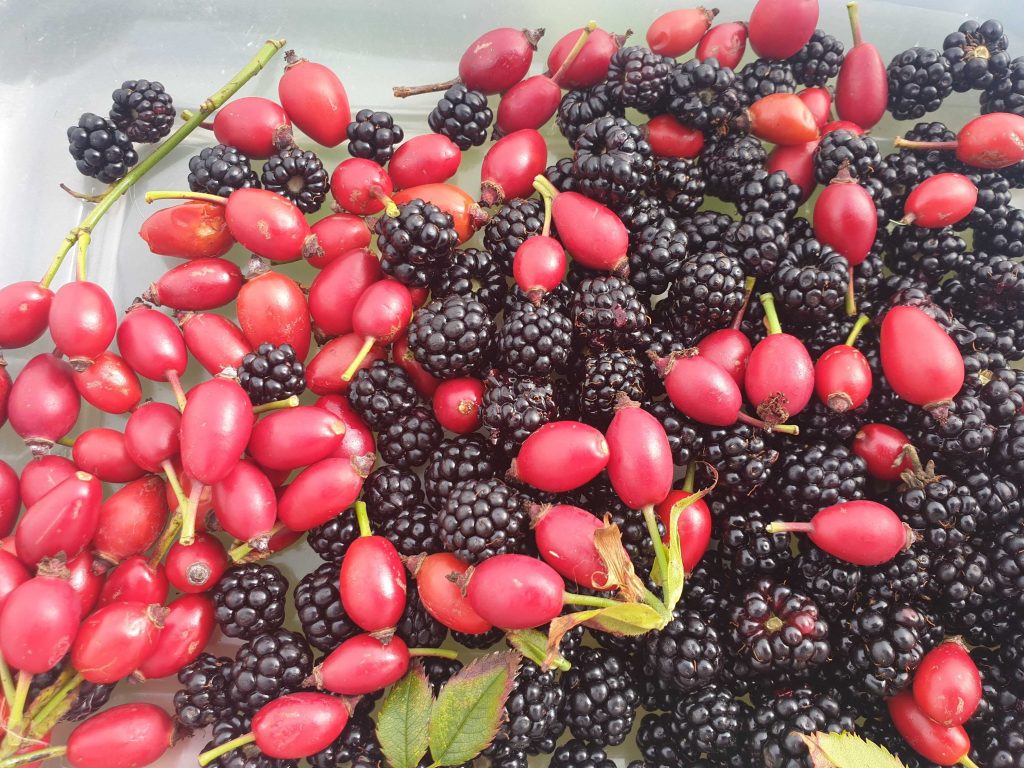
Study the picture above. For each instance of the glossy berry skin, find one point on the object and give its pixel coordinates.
(151, 435)
(363, 664)
(862, 89)
(319, 493)
(842, 378)
(694, 527)
(135, 580)
(674, 33)
(10, 498)
(245, 501)
(214, 341)
(860, 532)
(780, 28)
(151, 344)
(335, 291)
(591, 64)
(640, 463)
(845, 219)
(428, 159)
(467, 215)
(125, 736)
(187, 630)
(779, 365)
(82, 321)
(797, 160)
(38, 624)
(730, 349)
(436, 576)
(114, 640)
(131, 519)
(12, 575)
(561, 456)
(592, 234)
(530, 103)
(358, 439)
(992, 141)
(102, 452)
(191, 230)
(64, 520)
(109, 384)
(819, 101)
(921, 362)
(782, 118)
(197, 567)
(272, 309)
(251, 125)
(295, 437)
(215, 429)
(457, 404)
(881, 446)
(299, 725)
(510, 166)
(725, 42)
(383, 311)
(565, 539)
(359, 186)
(6, 383)
(515, 591)
(947, 685)
(336, 234)
(267, 224)
(937, 743)
(422, 379)
(198, 285)
(497, 60)
(323, 374)
(941, 201)
(86, 581)
(44, 403)
(373, 583)
(315, 100)
(670, 138)
(701, 389)
(539, 265)
(24, 313)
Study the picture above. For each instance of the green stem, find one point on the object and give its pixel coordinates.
(546, 195)
(189, 515)
(851, 299)
(83, 247)
(967, 762)
(6, 680)
(277, 405)
(31, 757)
(542, 185)
(179, 392)
(172, 480)
(592, 601)
(363, 519)
(854, 14)
(18, 702)
(654, 601)
(67, 442)
(862, 321)
(243, 549)
(50, 706)
(691, 477)
(902, 143)
(358, 359)
(656, 541)
(260, 60)
(209, 756)
(45, 695)
(574, 52)
(180, 194)
(770, 315)
(167, 538)
(437, 653)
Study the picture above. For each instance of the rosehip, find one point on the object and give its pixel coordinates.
(561, 456)
(85, 578)
(214, 341)
(510, 166)
(539, 266)
(44, 403)
(670, 138)
(336, 234)
(940, 201)
(39, 622)
(591, 64)
(245, 501)
(565, 539)
(115, 639)
(428, 159)
(64, 520)
(215, 428)
(372, 580)
(361, 186)
(730, 349)
(102, 452)
(253, 125)
(324, 372)
(82, 321)
(797, 161)
(640, 463)
(362, 665)
(780, 28)
(782, 118)
(12, 575)
(187, 629)
(295, 437)
(819, 101)
(947, 685)
(298, 725)
(881, 447)
(320, 492)
(467, 215)
(198, 285)
(272, 309)
(674, 33)
(24, 313)
(436, 576)
(591, 233)
(357, 442)
(315, 100)
(845, 218)
(780, 374)
(125, 736)
(152, 344)
(269, 225)
(109, 384)
(530, 103)
(862, 89)
(10, 498)
(135, 580)
(131, 519)
(151, 435)
(197, 567)
(192, 230)
(859, 532)
(694, 527)
(922, 364)
(457, 404)
(936, 743)
(382, 312)
(515, 591)
(335, 291)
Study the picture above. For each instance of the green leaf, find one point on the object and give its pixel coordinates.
(465, 718)
(672, 586)
(404, 719)
(534, 646)
(627, 619)
(847, 750)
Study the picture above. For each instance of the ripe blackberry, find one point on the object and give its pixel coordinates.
(389, 491)
(656, 256)
(612, 162)
(709, 291)
(607, 312)
(298, 175)
(463, 457)
(763, 77)
(373, 136)
(919, 80)
(880, 645)
(1008, 455)
(606, 376)
(1000, 742)
(685, 437)
(995, 283)
(452, 337)
(819, 422)
(639, 78)
(504, 756)
(530, 721)
(100, 150)
(742, 456)
(248, 756)
(729, 162)
(439, 671)
(679, 184)
(964, 437)
(357, 742)
(332, 539)
(480, 641)
(250, 599)
(977, 54)
(687, 653)
(832, 584)
(143, 110)
(220, 170)
(462, 115)
(928, 253)
(561, 175)
(514, 407)
(579, 754)
(318, 607)
(758, 241)
(507, 229)
(600, 697)
(272, 373)
(712, 721)
(269, 665)
(417, 243)
(777, 719)
(89, 698)
(417, 627)
(746, 549)
(1004, 235)
(413, 531)
(997, 698)
(770, 194)
(472, 274)
(941, 510)
(381, 392)
(641, 213)
(810, 282)
(579, 108)
(705, 95)
(660, 742)
(534, 340)
(818, 61)
(202, 700)
(1006, 94)
(961, 579)
(483, 518)
(842, 148)
(818, 475)
(902, 578)
(997, 496)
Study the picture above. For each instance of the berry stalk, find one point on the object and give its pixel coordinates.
(771, 316)
(30, 757)
(6, 681)
(209, 756)
(179, 392)
(167, 538)
(435, 653)
(172, 480)
(573, 53)
(659, 548)
(363, 519)
(854, 13)
(18, 702)
(42, 718)
(859, 326)
(590, 601)
(189, 513)
(277, 405)
(851, 299)
(239, 553)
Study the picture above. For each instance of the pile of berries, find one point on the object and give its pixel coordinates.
(728, 334)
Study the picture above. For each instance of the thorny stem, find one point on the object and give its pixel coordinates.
(209, 756)
(854, 14)
(574, 52)
(748, 290)
(179, 392)
(656, 542)
(862, 321)
(31, 757)
(277, 405)
(260, 60)
(363, 519)
(590, 601)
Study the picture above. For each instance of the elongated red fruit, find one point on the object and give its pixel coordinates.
(373, 583)
(197, 567)
(42, 475)
(363, 664)
(86, 580)
(881, 447)
(424, 381)
(670, 138)
(361, 186)
(510, 166)
(922, 364)
(560, 456)
(780, 28)
(115, 640)
(845, 218)
(63, 521)
(674, 33)
(947, 685)
(44, 403)
(187, 629)
(198, 285)
(269, 225)
(694, 527)
(24, 313)
(797, 160)
(322, 491)
(152, 344)
(135, 580)
(862, 89)
(539, 266)
(125, 736)
(565, 539)
(591, 64)
(109, 384)
(640, 462)
(10, 497)
(82, 321)
(102, 452)
(295, 437)
(272, 309)
(131, 519)
(780, 374)
(842, 378)
(252, 124)
(730, 349)
(428, 159)
(215, 428)
(940, 201)
(39, 622)
(191, 230)
(214, 341)
(336, 234)
(515, 591)
(12, 575)
(992, 141)
(725, 42)
(819, 101)
(335, 291)
(936, 743)
(860, 532)
(498, 59)
(437, 579)
(357, 443)
(315, 100)
(466, 213)
(151, 435)
(702, 389)
(591, 233)
(530, 103)
(324, 372)
(299, 725)
(245, 502)
(782, 118)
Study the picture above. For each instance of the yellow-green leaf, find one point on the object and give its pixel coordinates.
(534, 646)
(847, 750)
(627, 619)
(404, 719)
(672, 585)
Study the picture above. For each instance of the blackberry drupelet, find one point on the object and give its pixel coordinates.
(685, 437)
(268, 666)
(438, 671)
(483, 518)
(561, 175)
(357, 742)
(656, 256)
(504, 756)
(940, 509)
(318, 607)
(480, 641)
(534, 340)
(641, 213)
(248, 756)
(777, 720)
(919, 80)
(842, 148)
(880, 645)
(818, 61)
(381, 392)
(687, 653)
(1008, 454)
(298, 175)
(712, 721)
(678, 183)
(607, 312)
(639, 78)
(660, 742)
(612, 162)
(810, 282)
(902, 578)
(413, 531)
(758, 241)
(514, 407)
(928, 253)
(746, 549)
(417, 243)
(202, 700)
(409, 440)
(472, 274)
(832, 584)
(272, 373)
(607, 376)
(417, 627)
(977, 54)
(220, 170)
(965, 436)
(531, 722)
(709, 291)
(771, 194)
(763, 77)
(143, 110)
(600, 697)
(579, 754)
(729, 162)
(705, 95)
(997, 698)
(452, 337)
(373, 136)
(742, 456)
(507, 229)
(390, 491)
(250, 599)
(463, 457)
(332, 539)
(579, 108)
(100, 150)
(462, 115)
(706, 230)
(1006, 94)
(818, 475)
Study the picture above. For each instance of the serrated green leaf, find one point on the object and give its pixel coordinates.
(847, 750)
(672, 586)
(465, 717)
(404, 719)
(534, 646)
(627, 619)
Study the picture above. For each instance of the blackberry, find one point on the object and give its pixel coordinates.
(607, 376)
(763, 77)
(742, 456)
(452, 337)
(687, 654)
(100, 150)
(473, 274)
(90, 698)
(705, 95)
(332, 539)
(417, 243)
(269, 665)
(977, 55)
(842, 148)
(941, 510)
(660, 742)
(612, 162)
(729, 162)
(1004, 235)
(143, 110)
(965, 436)
(819, 422)
(439, 671)
(810, 282)
(373, 136)
(417, 627)
(709, 291)
(298, 175)
(600, 697)
(479, 641)
(483, 518)
(685, 437)
(248, 756)
(320, 612)
(712, 721)
(507, 229)
(832, 584)
(462, 115)
(220, 170)
(996, 284)
(1006, 94)
(758, 241)
(641, 213)
(997, 497)
(561, 175)
(776, 720)
(655, 343)
(579, 754)
(410, 439)
(639, 78)
(679, 184)
(928, 253)
(607, 312)
(746, 549)
(706, 231)
(390, 491)
(961, 579)
(579, 108)
(880, 646)
(463, 457)
(1008, 454)
(534, 340)
(530, 718)
(818, 61)
(202, 700)
(919, 80)
(357, 742)
(1001, 743)
(504, 756)
(381, 392)
(272, 373)
(997, 698)
(818, 475)
(770, 194)
(413, 532)
(250, 599)
(514, 407)
(656, 256)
